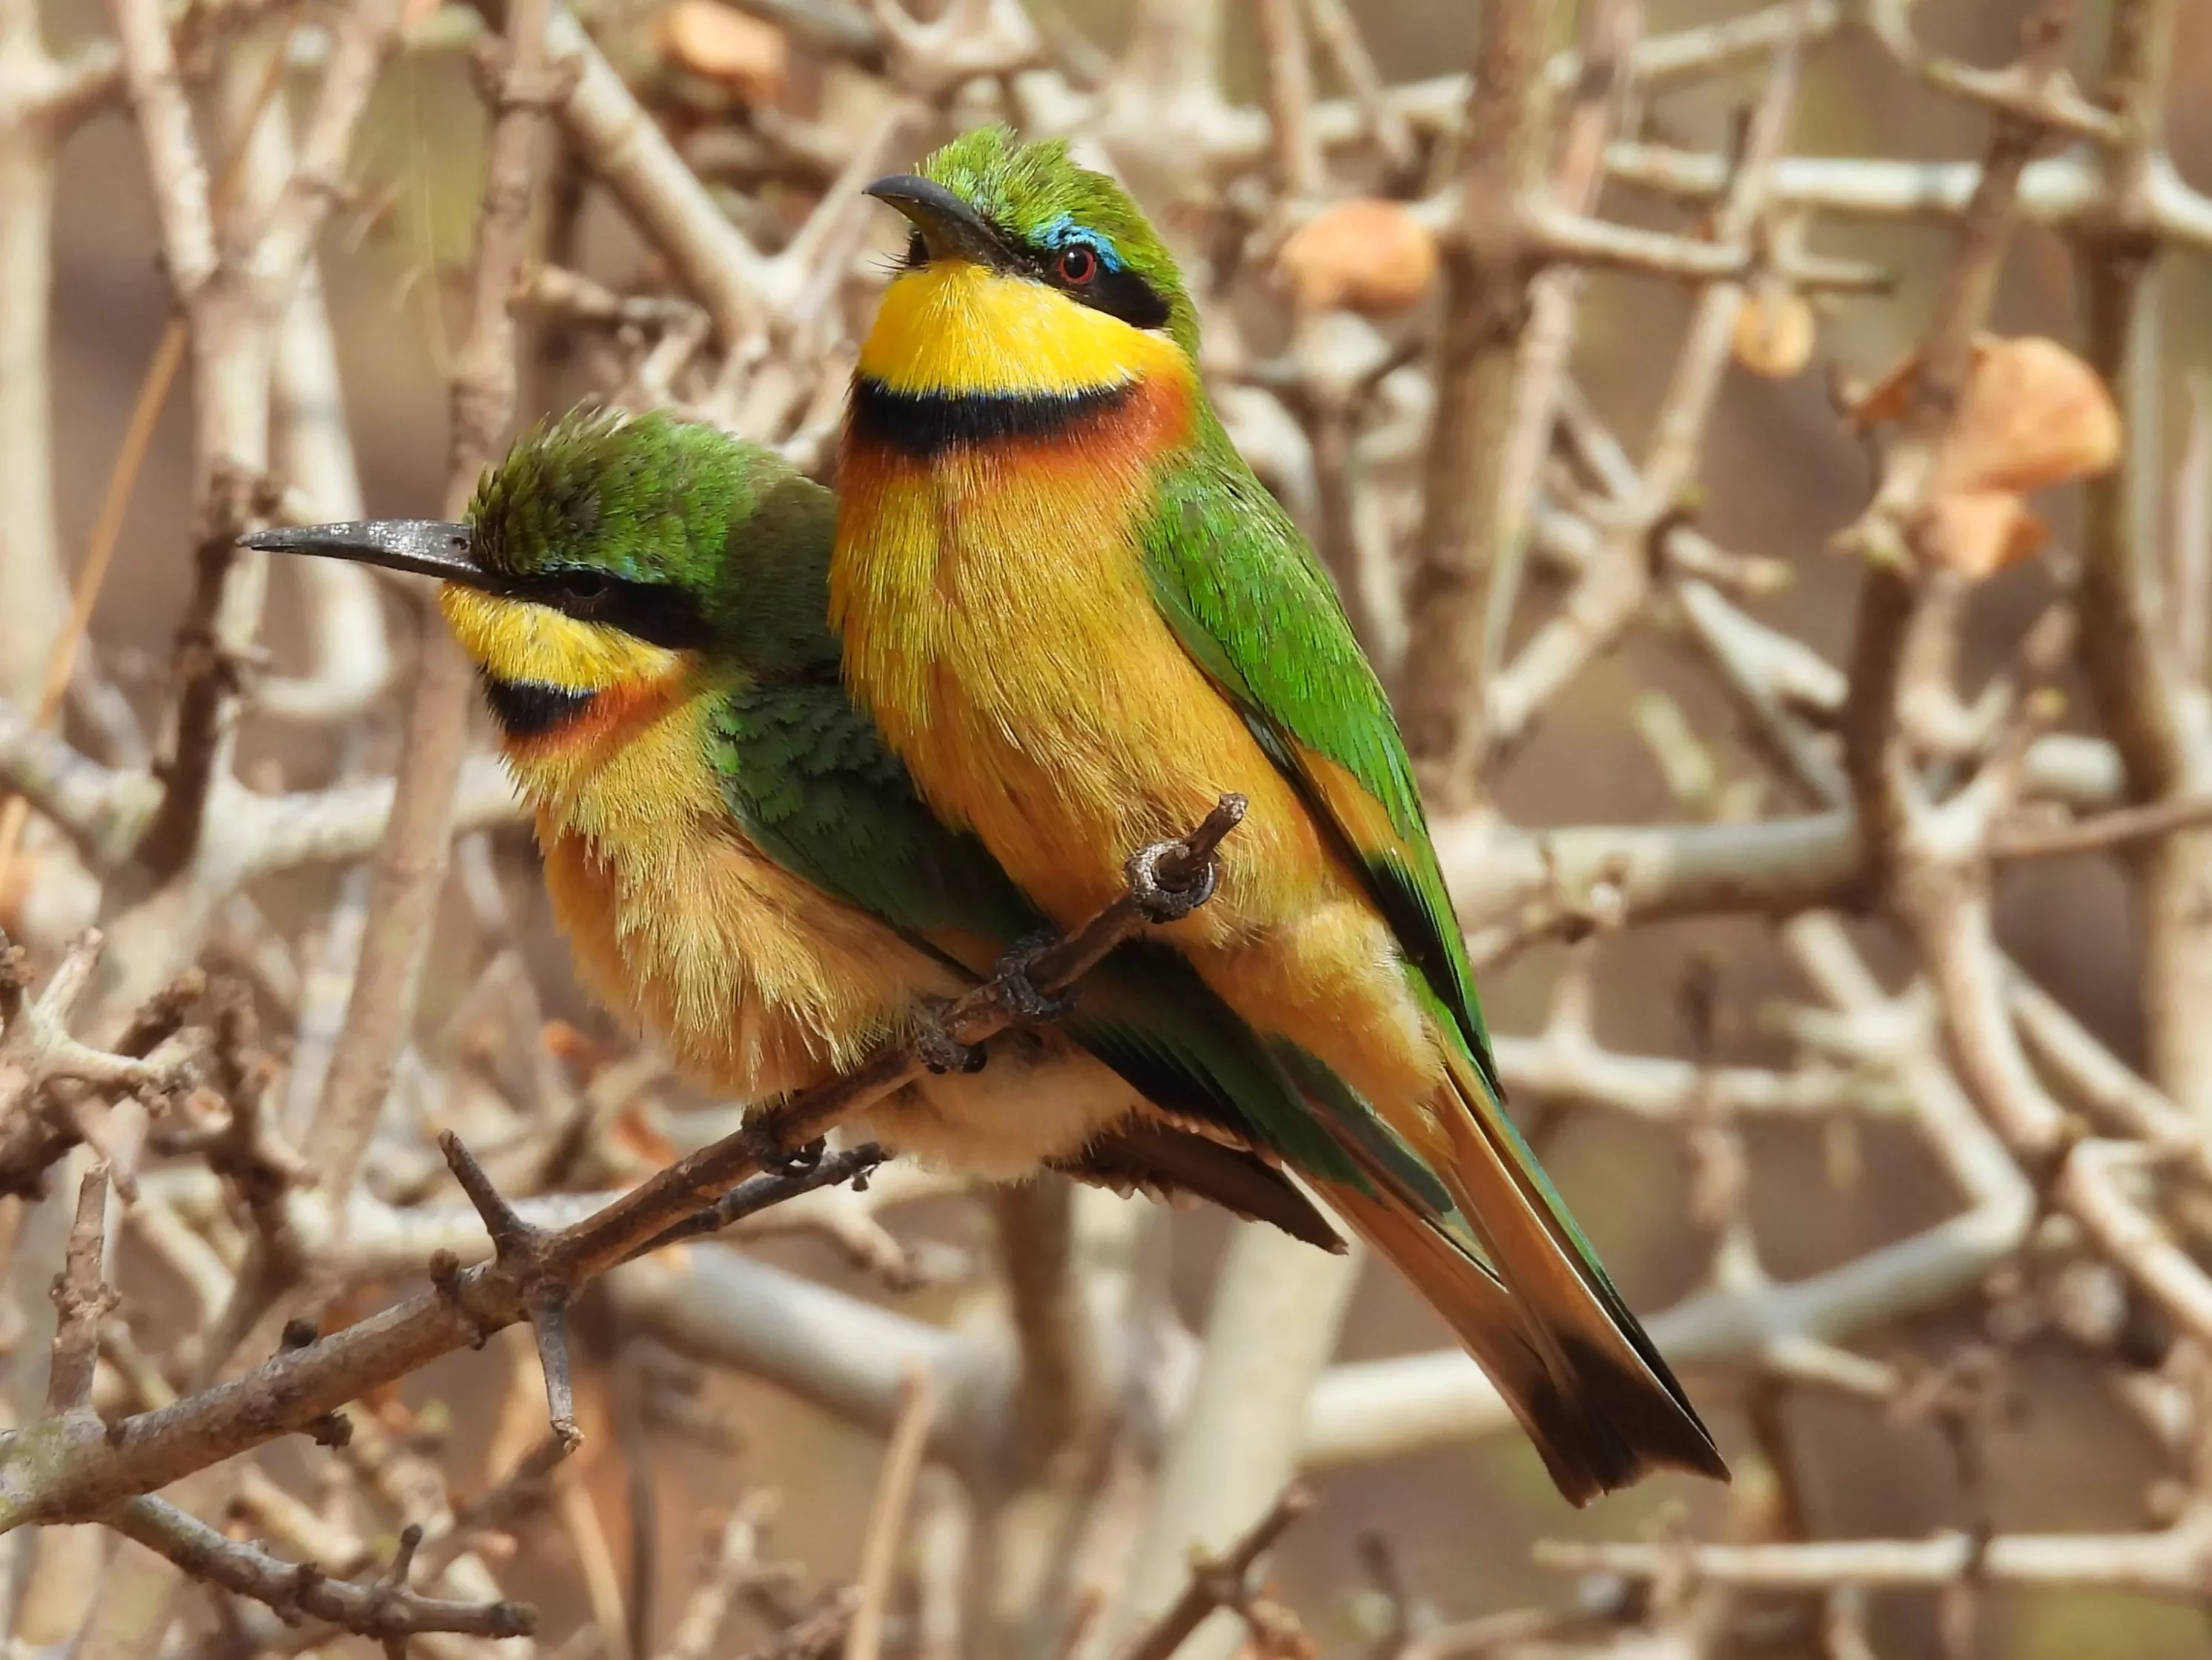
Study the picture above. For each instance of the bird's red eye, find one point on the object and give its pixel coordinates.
(1078, 265)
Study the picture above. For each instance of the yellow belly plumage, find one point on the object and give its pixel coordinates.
(758, 982)
(998, 625)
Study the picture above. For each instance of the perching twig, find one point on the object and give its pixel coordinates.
(385, 1609)
(759, 1193)
(47, 1475)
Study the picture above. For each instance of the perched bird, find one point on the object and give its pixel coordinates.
(1079, 618)
(741, 866)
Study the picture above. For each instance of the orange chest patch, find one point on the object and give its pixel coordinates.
(999, 624)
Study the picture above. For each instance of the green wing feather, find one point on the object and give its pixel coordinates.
(810, 783)
(1254, 608)
(1247, 599)
(813, 786)
(1251, 605)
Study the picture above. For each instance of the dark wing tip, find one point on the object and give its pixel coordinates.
(1147, 1155)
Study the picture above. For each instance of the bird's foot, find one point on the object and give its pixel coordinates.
(1021, 994)
(940, 1051)
(1159, 901)
(796, 1162)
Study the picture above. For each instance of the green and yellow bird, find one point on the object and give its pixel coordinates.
(742, 866)
(1079, 618)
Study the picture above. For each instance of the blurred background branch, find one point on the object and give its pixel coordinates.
(1763, 444)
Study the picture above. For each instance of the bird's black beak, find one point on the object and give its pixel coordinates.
(421, 547)
(950, 227)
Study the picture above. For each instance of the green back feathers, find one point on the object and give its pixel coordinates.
(1244, 594)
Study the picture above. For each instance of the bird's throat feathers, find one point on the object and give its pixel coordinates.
(964, 356)
(559, 688)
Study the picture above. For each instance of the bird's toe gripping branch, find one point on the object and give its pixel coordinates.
(1015, 978)
(1169, 880)
(1035, 980)
(940, 1052)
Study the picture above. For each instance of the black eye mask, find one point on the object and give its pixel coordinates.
(655, 612)
(1082, 272)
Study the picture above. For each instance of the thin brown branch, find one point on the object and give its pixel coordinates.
(2142, 695)
(1487, 273)
(52, 1085)
(410, 871)
(1602, 96)
(232, 285)
(1219, 1583)
(887, 1514)
(385, 1609)
(2169, 1563)
(33, 593)
(1612, 591)
(1061, 1380)
(1887, 535)
(2103, 833)
(736, 1560)
(1337, 33)
(1289, 98)
(626, 152)
(82, 1298)
(67, 1111)
(51, 1471)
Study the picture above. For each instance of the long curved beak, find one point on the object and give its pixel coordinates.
(421, 547)
(950, 227)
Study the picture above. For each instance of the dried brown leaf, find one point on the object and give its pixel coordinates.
(1775, 332)
(2034, 415)
(1980, 532)
(1364, 255)
(723, 45)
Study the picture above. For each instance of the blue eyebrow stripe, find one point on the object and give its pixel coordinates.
(1057, 231)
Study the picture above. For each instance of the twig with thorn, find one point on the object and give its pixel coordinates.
(385, 1609)
(82, 1298)
(1219, 1583)
(516, 1241)
(758, 1192)
(48, 1476)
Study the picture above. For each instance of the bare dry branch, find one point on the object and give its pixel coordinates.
(386, 1608)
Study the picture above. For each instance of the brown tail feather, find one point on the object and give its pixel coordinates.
(1602, 1369)
(1587, 1431)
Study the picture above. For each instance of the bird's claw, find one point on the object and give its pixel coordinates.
(774, 1158)
(940, 1051)
(1155, 898)
(795, 1162)
(1020, 993)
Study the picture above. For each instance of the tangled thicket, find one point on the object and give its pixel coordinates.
(1918, 1202)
